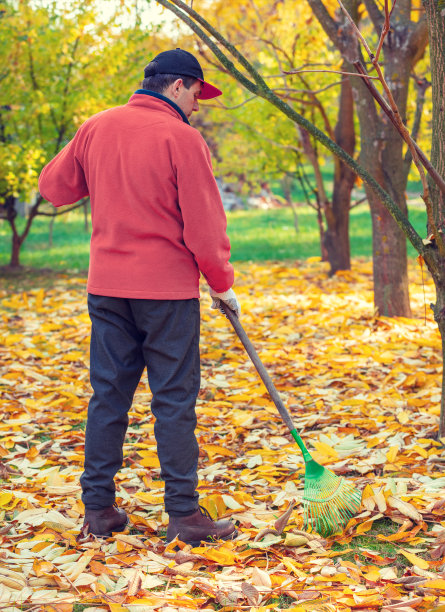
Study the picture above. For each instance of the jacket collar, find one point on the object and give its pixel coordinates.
(154, 94)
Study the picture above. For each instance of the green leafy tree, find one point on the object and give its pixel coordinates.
(58, 66)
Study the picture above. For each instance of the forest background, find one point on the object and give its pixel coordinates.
(252, 144)
(351, 342)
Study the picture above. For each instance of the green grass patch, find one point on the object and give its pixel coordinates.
(256, 235)
(370, 542)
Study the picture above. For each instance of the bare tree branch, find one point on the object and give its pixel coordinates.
(40, 213)
(259, 87)
(385, 28)
(365, 76)
(422, 85)
(391, 109)
(219, 104)
(306, 91)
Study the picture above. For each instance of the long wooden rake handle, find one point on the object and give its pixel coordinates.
(274, 395)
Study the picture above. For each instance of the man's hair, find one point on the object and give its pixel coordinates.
(160, 82)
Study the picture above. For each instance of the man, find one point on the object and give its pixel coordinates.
(157, 221)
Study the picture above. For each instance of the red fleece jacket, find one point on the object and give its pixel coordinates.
(157, 215)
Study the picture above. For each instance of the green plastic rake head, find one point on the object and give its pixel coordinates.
(329, 501)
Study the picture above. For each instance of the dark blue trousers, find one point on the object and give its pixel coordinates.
(126, 335)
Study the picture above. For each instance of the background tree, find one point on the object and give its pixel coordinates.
(381, 150)
(58, 66)
(284, 37)
(431, 250)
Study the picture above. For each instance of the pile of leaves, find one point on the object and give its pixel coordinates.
(364, 390)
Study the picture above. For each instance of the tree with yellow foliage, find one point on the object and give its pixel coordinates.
(432, 250)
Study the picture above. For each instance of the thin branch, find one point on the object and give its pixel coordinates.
(219, 104)
(308, 91)
(356, 30)
(365, 76)
(316, 102)
(280, 145)
(276, 48)
(63, 212)
(385, 28)
(225, 61)
(358, 202)
(260, 88)
(422, 85)
(182, 6)
(391, 109)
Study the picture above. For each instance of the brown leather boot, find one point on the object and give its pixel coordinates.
(102, 523)
(198, 527)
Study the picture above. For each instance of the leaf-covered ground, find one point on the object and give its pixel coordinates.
(365, 392)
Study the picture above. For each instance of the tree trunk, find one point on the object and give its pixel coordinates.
(381, 145)
(286, 185)
(85, 216)
(51, 231)
(382, 155)
(18, 239)
(336, 238)
(14, 261)
(436, 28)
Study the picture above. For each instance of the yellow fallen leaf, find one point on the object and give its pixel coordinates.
(366, 525)
(325, 449)
(148, 498)
(368, 498)
(373, 575)
(404, 507)
(438, 583)
(39, 299)
(149, 459)
(293, 539)
(380, 500)
(222, 556)
(41, 567)
(5, 498)
(292, 568)
(403, 417)
(421, 451)
(214, 449)
(77, 568)
(415, 560)
(392, 453)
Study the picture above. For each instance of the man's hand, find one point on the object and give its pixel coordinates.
(228, 297)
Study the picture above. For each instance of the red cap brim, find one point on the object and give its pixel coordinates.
(208, 91)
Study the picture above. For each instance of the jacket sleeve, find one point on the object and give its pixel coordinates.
(202, 211)
(62, 181)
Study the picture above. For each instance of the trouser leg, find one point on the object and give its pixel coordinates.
(116, 366)
(171, 352)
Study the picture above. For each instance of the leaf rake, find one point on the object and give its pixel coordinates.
(329, 501)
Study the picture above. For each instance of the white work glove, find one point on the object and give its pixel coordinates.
(228, 297)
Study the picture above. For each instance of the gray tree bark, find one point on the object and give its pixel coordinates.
(381, 145)
(435, 14)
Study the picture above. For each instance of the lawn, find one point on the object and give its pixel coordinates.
(364, 391)
(256, 235)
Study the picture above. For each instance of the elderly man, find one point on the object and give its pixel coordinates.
(157, 222)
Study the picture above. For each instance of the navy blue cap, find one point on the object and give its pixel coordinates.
(178, 61)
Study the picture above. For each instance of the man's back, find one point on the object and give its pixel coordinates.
(156, 209)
